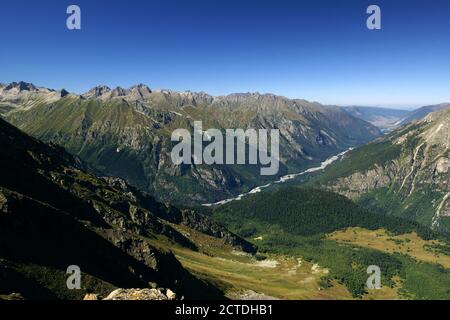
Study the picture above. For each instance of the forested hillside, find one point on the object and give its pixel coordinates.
(405, 174)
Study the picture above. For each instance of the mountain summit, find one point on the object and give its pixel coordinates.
(21, 86)
(96, 92)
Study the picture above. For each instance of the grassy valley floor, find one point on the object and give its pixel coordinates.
(269, 276)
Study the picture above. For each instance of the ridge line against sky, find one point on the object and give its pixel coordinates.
(312, 49)
(406, 107)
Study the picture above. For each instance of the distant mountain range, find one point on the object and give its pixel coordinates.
(388, 119)
(126, 133)
(421, 113)
(383, 118)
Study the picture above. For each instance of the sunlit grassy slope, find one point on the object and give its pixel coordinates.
(268, 276)
(410, 244)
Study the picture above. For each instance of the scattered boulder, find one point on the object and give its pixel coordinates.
(90, 296)
(171, 295)
(141, 294)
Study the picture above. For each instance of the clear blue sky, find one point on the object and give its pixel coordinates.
(316, 49)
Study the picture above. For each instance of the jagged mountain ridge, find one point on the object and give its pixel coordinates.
(405, 173)
(53, 214)
(103, 92)
(126, 133)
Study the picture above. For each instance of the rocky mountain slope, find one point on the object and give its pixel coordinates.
(405, 173)
(126, 133)
(54, 214)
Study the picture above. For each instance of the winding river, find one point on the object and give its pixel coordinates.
(283, 179)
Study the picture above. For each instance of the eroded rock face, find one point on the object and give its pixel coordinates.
(144, 211)
(442, 165)
(204, 225)
(445, 209)
(355, 185)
